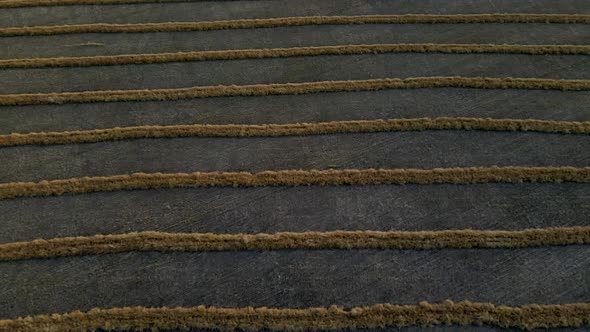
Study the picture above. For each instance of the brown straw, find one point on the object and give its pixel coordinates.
(314, 319)
(299, 129)
(197, 242)
(127, 59)
(293, 21)
(290, 178)
(292, 89)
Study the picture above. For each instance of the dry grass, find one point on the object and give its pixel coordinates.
(126, 59)
(292, 89)
(192, 242)
(294, 21)
(332, 318)
(300, 129)
(136, 181)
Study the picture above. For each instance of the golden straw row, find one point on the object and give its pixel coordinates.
(291, 178)
(127, 59)
(293, 21)
(198, 242)
(531, 316)
(295, 129)
(98, 96)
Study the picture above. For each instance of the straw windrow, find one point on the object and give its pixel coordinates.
(314, 319)
(291, 178)
(198, 242)
(127, 59)
(292, 89)
(294, 21)
(320, 128)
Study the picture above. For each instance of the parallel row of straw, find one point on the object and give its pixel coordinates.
(464, 313)
(292, 22)
(292, 89)
(293, 178)
(191, 242)
(332, 318)
(127, 59)
(295, 129)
